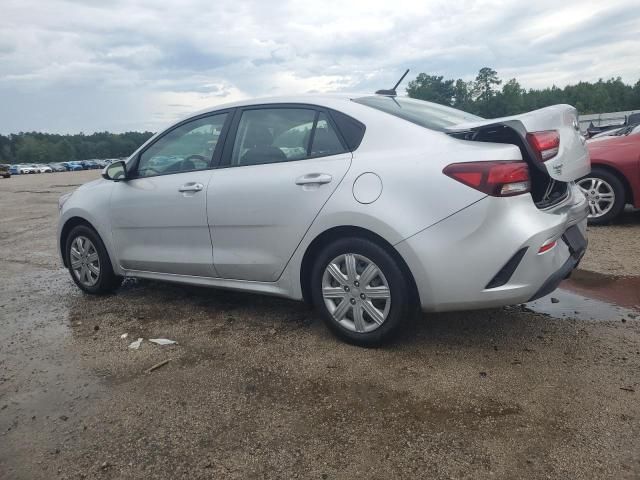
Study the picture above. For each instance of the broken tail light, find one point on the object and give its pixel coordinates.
(545, 144)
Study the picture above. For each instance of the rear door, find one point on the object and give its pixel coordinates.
(280, 166)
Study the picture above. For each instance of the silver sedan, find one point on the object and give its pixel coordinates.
(367, 206)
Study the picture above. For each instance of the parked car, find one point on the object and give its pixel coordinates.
(5, 170)
(24, 169)
(365, 206)
(58, 167)
(88, 164)
(72, 166)
(44, 168)
(614, 180)
(14, 170)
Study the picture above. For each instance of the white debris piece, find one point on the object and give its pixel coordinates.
(136, 345)
(124, 335)
(162, 341)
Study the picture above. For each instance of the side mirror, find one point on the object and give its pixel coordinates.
(116, 171)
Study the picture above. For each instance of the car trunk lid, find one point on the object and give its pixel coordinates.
(571, 161)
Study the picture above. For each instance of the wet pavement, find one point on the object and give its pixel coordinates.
(592, 296)
(257, 388)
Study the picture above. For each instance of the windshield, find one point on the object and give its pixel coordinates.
(426, 114)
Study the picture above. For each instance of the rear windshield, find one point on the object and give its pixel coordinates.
(426, 114)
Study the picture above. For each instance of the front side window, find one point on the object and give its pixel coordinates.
(272, 135)
(187, 147)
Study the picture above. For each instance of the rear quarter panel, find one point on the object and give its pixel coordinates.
(409, 160)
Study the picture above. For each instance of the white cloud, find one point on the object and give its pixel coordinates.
(71, 65)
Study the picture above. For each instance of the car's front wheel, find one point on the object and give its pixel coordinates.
(605, 195)
(361, 291)
(88, 261)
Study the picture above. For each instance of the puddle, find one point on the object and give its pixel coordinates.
(592, 296)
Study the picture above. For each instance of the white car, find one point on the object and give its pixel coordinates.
(366, 206)
(44, 168)
(24, 169)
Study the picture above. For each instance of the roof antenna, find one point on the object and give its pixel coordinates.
(393, 92)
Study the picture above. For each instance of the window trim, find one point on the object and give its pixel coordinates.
(132, 174)
(330, 112)
(225, 160)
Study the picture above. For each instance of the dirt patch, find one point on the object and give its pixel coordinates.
(257, 387)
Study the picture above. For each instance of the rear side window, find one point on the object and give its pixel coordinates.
(352, 130)
(272, 135)
(426, 114)
(325, 139)
(275, 135)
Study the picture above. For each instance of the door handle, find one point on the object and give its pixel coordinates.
(191, 187)
(314, 178)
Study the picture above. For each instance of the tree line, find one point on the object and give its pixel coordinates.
(36, 147)
(488, 96)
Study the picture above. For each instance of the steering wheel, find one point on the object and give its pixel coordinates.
(196, 157)
(153, 171)
(187, 163)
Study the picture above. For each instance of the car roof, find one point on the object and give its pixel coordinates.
(311, 98)
(330, 100)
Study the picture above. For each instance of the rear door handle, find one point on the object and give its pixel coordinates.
(191, 187)
(314, 178)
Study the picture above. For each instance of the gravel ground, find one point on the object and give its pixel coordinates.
(257, 388)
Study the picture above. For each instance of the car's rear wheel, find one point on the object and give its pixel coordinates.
(88, 261)
(361, 291)
(605, 195)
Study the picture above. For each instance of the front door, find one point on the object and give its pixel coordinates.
(281, 167)
(159, 215)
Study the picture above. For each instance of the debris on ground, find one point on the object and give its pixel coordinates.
(162, 341)
(136, 345)
(158, 365)
(554, 300)
(628, 389)
(124, 335)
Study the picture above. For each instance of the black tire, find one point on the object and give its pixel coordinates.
(619, 195)
(107, 281)
(401, 309)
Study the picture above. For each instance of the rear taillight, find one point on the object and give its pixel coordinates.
(545, 144)
(495, 178)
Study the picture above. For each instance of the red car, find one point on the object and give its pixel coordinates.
(614, 180)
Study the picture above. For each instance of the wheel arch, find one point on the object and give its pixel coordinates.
(69, 225)
(334, 233)
(628, 190)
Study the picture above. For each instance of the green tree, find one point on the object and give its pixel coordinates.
(432, 88)
(64, 151)
(484, 85)
(462, 98)
(483, 97)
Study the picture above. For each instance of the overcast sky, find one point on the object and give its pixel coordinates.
(86, 65)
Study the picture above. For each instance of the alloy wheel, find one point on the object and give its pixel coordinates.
(85, 261)
(356, 292)
(600, 195)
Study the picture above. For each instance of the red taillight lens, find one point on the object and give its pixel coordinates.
(547, 246)
(496, 178)
(545, 144)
